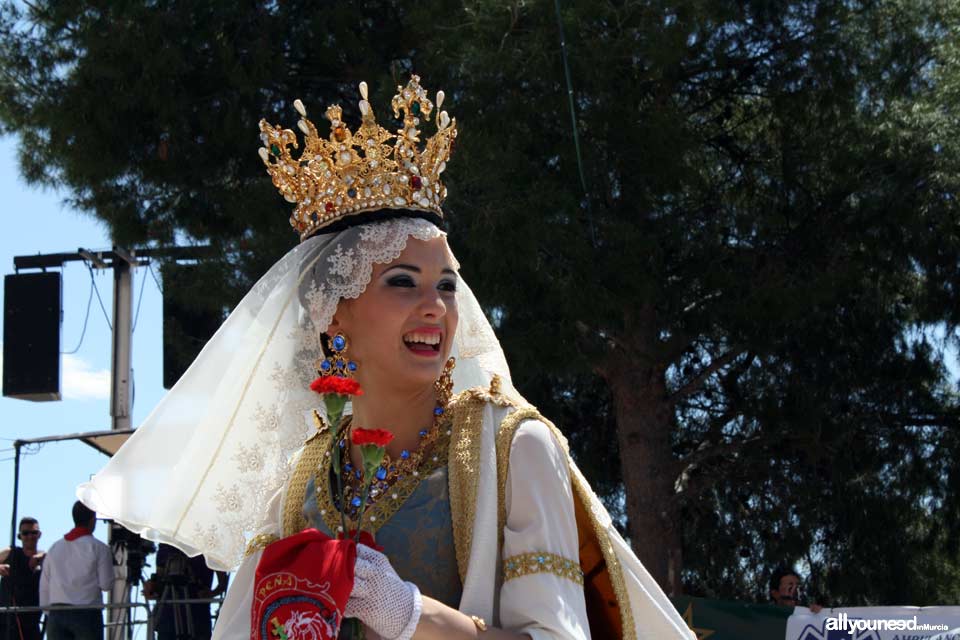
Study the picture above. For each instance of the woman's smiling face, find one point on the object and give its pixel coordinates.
(401, 327)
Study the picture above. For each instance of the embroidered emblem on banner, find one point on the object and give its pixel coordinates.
(290, 608)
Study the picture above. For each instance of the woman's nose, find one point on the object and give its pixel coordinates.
(432, 305)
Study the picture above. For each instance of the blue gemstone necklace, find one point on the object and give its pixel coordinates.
(431, 447)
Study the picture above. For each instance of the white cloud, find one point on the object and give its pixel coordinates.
(80, 381)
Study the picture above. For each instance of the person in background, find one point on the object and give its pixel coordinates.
(195, 581)
(785, 590)
(78, 568)
(20, 583)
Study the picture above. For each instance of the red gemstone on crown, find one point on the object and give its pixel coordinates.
(415, 182)
(328, 207)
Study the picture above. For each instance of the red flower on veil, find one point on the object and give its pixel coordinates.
(336, 384)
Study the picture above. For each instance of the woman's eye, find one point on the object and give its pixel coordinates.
(401, 281)
(447, 285)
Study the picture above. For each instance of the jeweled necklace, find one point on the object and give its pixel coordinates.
(390, 471)
(409, 464)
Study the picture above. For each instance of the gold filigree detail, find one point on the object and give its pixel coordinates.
(319, 423)
(310, 457)
(432, 442)
(259, 542)
(464, 471)
(369, 169)
(384, 508)
(493, 395)
(525, 564)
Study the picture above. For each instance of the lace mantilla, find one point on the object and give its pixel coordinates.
(348, 270)
(337, 271)
(200, 470)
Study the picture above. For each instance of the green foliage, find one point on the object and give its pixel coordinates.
(770, 229)
(773, 188)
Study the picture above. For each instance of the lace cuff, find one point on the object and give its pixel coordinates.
(541, 562)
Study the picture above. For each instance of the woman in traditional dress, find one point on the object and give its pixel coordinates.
(486, 525)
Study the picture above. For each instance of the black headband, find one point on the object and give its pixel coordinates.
(379, 215)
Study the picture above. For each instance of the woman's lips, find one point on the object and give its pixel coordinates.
(424, 341)
(423, 350)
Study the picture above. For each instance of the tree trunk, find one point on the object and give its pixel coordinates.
(644, 425)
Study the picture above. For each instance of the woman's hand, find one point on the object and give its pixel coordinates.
(380, 599)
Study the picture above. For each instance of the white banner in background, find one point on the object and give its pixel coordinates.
(875, 623)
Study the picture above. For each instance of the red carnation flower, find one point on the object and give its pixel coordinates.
(336, 384)
(376, 437)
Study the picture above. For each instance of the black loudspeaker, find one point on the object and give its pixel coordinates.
(192, 313)
(31, 336)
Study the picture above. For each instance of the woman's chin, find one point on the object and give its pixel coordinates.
(427, 363)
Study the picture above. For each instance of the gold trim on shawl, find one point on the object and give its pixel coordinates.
(508, 428)
(464, 465)
(463, 472)
(313, 453)
(605, 590)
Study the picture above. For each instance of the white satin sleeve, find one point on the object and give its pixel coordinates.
(233, 621)
(542, 592)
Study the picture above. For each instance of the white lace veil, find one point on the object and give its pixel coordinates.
(199, 472)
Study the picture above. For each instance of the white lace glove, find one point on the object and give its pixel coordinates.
(380, 599)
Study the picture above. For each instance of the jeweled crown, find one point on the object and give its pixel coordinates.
(370, 169)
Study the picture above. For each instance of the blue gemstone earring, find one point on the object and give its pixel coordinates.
(336, 364)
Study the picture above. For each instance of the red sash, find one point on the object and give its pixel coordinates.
(301, 587)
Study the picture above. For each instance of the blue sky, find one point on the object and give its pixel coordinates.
(36, 221)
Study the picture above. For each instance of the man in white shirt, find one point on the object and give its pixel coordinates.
(76, 570)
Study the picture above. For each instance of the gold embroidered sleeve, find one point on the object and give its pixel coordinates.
(541, 562)
(259, 542)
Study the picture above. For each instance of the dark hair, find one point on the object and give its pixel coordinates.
(378, 215)
(81, 514)
(779, 575)
(26, 520)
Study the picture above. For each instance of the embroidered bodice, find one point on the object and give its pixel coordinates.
(417, 538)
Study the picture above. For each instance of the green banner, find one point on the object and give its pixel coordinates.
(727, 620)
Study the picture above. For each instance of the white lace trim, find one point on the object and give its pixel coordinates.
(350, 269)
(261, 462)
(200, 470)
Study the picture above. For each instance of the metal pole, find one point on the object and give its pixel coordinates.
(16, 491)
(120, 406)
(120, 394)
(13, 523)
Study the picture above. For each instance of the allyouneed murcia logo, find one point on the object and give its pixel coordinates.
(843, 622)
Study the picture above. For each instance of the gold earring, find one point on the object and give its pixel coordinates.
(337, 364)
(444, 385)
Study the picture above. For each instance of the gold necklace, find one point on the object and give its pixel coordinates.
(410, 465)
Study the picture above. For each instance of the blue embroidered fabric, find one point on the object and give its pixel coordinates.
(418, 538)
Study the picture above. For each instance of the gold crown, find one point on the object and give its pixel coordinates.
(353, 172)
